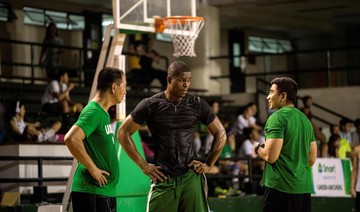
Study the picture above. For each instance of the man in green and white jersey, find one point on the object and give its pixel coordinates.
(290, 151)
(91, 141)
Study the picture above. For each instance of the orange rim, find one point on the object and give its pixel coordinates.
(159, 25)
(183, 19)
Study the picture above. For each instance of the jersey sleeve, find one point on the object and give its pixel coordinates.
(248, 148)
(274, 128)
(141, 112)
(89, 121)
(206, 115)
(54, 87)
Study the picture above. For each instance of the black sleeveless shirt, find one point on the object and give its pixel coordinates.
(173, 131)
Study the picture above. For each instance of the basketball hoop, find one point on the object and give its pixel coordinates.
(183, 30)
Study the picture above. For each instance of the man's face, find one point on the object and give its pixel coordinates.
(274, 98)
(65, 78)
(180, 84)
(215, 107)
(347, 127)
(120, 90)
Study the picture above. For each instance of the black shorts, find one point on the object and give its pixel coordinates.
(275, 200)
(53, 108)
(357, 202)
(92, 202)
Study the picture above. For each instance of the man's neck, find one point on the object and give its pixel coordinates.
(287, 105)
(171, 97)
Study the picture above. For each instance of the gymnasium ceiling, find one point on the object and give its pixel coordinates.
(289, 16)
(294, 17)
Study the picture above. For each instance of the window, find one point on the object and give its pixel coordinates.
(106, 20)
(163, 37)
(4, 12)
(268, 45)
(63, 20)
(236, 52)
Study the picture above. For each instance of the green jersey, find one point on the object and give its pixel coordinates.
(102, 148)
(290, 173)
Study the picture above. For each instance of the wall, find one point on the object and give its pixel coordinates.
(343, 100)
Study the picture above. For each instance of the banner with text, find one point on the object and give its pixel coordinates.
(331, 177)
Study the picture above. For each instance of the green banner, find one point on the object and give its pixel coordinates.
(134, 185)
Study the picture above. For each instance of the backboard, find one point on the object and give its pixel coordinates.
(138, 15)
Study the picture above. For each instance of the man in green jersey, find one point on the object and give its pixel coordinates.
(91, 141)
(290, 151)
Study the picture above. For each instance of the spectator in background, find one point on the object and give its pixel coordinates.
(244, 120)
(355, 178)
(56, 98)
(306, 109)
(52, 51)
(307, 104)
(26, 131)
(345, 142)
(247, 148)
(136, 51)
(136, 75)
(356, 134)
(146, 61)
(324, 148)
(334, 146)
(334, 129)
(345, 129)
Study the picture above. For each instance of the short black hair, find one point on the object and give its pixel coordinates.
(107, 77)
(305, 98)
(287, 85)
(344, 121)
(60, 73)
(247, 131)
(357, 122)
(177, 67)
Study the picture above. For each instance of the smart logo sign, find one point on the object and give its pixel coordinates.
(322, 167)
(328, 178)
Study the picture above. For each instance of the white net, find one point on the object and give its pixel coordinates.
(184, 30)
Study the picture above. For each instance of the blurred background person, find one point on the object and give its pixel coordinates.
(27, 131)
(52, 51)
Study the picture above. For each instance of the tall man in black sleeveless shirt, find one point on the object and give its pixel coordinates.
(178, 181)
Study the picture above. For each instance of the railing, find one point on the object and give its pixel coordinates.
(33, 65)
(77, 70)
(250, 175)
(330, 67)
(40, 179)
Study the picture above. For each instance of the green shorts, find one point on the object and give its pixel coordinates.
(186, 193)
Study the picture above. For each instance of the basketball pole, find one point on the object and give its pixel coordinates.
(112, 58)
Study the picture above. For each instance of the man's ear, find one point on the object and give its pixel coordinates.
(169, 79)
(113, 88)
(284, 96)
